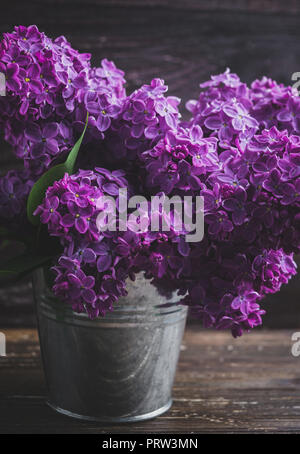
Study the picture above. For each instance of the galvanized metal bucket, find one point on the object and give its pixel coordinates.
(119, 368)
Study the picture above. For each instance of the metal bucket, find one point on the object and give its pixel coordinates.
(119, 368)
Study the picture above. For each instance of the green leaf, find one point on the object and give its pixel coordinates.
(57, 172)
(71, 159)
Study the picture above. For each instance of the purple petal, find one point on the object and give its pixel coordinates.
(33, 132)
(81, 225)
(74, 280)
(50, 130)
(213, 122)
(89, 255)
(103, 122)
(183, 247)
(111, 188)
(67, 220)
(104, 262)
(89, 282)
(89, 295)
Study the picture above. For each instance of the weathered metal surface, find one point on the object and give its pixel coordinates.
(118, 368)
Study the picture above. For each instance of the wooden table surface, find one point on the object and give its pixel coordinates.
(223, 385)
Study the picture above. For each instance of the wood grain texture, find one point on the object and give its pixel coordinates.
(182, 41)
(222, 386)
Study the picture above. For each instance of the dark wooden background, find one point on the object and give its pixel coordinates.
(182, 41)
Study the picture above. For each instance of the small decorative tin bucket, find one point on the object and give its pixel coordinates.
(119, 368)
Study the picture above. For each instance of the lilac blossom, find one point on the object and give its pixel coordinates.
(239, 150)
(49, 80)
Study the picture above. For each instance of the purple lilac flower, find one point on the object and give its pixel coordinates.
(44, 140)
(239, 150)
(251, 204)
(90, 274)
(49, 80)
(144, 118)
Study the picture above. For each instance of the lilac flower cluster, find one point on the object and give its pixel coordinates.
(146, 115)
(249, 178)
(50, 87)
(91, 272)
(239, 150)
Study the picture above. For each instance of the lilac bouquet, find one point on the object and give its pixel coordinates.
(240, 151)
